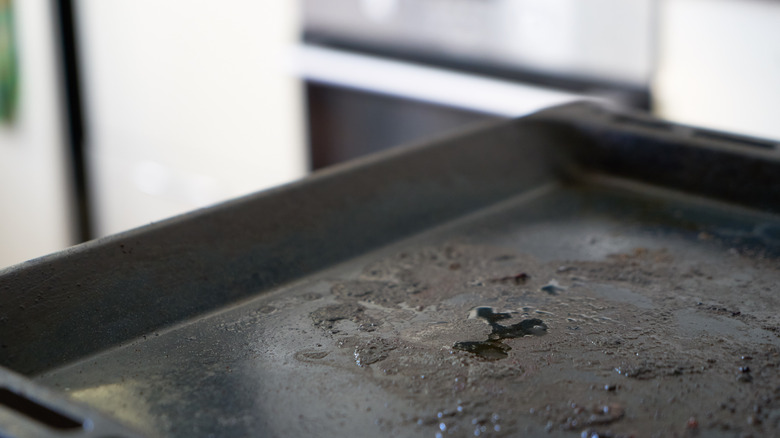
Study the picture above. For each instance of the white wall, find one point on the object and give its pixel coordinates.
(188, 103)
(34, 219)
(719, 64)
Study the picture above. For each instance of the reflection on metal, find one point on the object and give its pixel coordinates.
(427, 84)
(9, 83)
(123, 399)
(28, 409)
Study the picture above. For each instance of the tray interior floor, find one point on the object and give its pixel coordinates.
(642, 312)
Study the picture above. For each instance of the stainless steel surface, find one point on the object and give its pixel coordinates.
(631, 268)
(606, 39)
(478, 93)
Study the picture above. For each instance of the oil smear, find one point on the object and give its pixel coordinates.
(494, 348)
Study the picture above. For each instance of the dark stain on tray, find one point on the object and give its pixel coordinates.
(311, 356)
(372, 351)
(326, 317)
(493, 348)
(517, 279)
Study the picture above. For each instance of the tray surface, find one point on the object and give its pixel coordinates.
(650, 323)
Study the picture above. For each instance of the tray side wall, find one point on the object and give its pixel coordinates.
(736, 169)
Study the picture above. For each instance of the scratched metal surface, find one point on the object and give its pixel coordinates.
(659, 313)
(605, 299)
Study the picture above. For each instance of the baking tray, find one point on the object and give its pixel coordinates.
(578, 272)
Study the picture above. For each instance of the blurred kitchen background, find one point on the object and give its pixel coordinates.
(118, 113)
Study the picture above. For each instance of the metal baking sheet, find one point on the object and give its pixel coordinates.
(579, 272)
